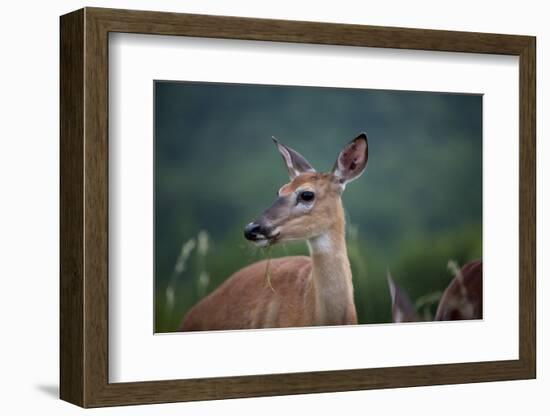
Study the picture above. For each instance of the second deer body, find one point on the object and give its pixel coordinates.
(297, 290)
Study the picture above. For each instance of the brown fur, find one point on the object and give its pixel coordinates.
(246, 300)
(238, 304)
(463, 298)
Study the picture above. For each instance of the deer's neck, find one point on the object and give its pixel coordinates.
(331, 277)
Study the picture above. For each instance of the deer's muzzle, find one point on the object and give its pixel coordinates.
(254, 232)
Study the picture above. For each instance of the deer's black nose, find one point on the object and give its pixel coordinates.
(252, 231)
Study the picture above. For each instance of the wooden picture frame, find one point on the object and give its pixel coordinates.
(84, 207)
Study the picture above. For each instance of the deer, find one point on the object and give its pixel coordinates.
(293, 291)
(462, 298)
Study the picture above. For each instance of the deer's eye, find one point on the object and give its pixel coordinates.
(306, 196)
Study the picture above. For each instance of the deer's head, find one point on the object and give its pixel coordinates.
(310, 204)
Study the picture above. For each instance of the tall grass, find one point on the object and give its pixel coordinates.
(420, 266)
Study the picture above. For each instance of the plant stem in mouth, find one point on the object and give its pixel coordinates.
(267, 273)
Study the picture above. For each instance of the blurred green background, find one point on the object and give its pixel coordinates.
(417, 206)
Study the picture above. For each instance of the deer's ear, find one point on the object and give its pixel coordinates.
(294, 161)
(352, 160)
(402, 307)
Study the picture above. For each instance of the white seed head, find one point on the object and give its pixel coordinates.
(203, 242)
(185, 252)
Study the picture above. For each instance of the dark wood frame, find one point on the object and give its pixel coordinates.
(84, 207)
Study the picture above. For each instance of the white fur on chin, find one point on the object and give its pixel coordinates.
(320, 244)
(264, 242)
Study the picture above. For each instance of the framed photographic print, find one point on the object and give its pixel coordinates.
(255, 207)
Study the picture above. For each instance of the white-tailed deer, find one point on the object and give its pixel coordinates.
(462, 299)
(298, 290)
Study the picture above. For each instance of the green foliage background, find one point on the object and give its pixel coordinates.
(417, 206)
